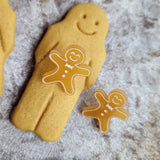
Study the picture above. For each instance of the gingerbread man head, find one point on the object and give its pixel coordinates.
(74, 55)
(88, 20)
(117, 98)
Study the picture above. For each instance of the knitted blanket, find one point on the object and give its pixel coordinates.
(132, 64)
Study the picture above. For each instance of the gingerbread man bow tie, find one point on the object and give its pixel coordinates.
(108, 106)
(67, 68)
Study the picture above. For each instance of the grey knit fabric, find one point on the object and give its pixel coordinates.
(132, 64)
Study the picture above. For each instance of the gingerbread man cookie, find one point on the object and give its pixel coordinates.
(7, 34)
(67, 68)
(108, 106)
(45, 108)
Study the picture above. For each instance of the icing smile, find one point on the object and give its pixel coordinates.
(114, 101)
(81, 30)
(73, 59)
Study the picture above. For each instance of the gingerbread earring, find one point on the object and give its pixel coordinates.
(109, 106)
(67, 68)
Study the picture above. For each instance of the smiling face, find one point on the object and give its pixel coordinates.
(74, 56)
(85, 29)
(118, 98)
(89, 20)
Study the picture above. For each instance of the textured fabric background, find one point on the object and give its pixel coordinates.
(132, 64)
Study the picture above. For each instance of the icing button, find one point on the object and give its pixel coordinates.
(102, 114)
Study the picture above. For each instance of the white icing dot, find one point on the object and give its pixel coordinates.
(63, 76)
(102, 114)
(105, 111)
(66, 71)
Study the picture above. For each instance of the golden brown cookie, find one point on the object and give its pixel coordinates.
(7, 34)
(45, 108)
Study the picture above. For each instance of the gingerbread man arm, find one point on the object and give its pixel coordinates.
(68, 88)
(82, 71)
(89, 108)
(121, 113)
(96, 65)
(56, 58)
(48, 43)
(50, 77)
(100, 96)
(90, 111)
(104, 124)
(7, 27)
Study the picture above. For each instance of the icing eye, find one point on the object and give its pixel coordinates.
(84, 16)
(116, 97)
(96, 23)
(73, 53)
(78, 55)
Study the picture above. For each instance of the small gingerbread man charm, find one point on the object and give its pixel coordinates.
(109, 106)
(67, 68)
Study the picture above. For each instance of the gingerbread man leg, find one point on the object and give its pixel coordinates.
(29, 110)
(59, 109)
(104, 123)
(69, 87)
(45, 114)
(121, 113)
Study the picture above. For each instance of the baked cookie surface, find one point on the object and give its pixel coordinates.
(7, 35)
(45, 108)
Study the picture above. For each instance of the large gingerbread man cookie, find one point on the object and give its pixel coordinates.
(7, 34)
(45, 107)
(109, 106)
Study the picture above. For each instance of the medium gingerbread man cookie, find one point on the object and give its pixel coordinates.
(45, 108)
(108, 106)
(67, 68)
(7, 34)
